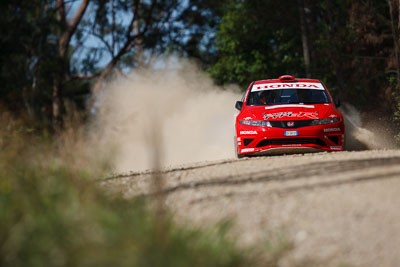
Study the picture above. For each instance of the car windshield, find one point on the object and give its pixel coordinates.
(287, 96)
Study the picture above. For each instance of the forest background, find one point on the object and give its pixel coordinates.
(57, 55)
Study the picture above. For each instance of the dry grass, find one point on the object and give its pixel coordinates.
(53, 214)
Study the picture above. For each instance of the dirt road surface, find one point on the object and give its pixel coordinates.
(341, 207)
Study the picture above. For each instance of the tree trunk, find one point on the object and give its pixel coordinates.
(304, 38)
(334, 52)
(398, 14)
(62, 73)
(395, 36)
(56, 103)
(138, 46)
(99, 83)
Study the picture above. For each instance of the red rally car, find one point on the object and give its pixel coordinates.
(287, 115)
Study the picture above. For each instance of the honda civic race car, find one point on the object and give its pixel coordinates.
(287, 115)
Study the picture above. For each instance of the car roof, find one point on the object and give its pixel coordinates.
(279, 81)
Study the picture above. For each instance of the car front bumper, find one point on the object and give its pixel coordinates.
(256, 140)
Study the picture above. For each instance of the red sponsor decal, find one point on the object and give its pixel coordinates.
(310, 115)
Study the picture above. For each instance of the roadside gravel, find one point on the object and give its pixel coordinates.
(341, 207)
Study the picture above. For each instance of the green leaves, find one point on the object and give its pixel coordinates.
(254, 42)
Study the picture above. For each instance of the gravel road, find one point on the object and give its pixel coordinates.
(341, 207)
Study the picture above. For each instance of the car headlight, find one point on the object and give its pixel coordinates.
(324, 121)
(256, 123)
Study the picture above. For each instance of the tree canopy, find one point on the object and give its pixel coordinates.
(56, 53)
(350, 45)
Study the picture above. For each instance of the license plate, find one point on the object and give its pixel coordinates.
(291, 133)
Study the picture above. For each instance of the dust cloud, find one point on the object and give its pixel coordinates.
(358, 137)
(178, 116)
(179, 113)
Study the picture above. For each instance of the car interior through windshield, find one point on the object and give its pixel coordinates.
(287, 96)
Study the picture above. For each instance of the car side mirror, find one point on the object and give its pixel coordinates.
(337, 102)
(239, 105)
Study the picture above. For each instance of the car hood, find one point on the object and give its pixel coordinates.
(290, 112)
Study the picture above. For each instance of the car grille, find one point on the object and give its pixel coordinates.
(291, 141)
(296, 124)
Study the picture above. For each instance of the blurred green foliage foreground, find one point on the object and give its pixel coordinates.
(55, 214)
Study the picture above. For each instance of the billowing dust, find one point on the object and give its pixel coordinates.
(358, 137)
(192, 118)
(183, 116)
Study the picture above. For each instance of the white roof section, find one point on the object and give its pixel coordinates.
(290, 106)
(297, 85)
